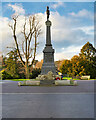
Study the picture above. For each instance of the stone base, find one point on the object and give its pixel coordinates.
(48, 76)
(47, 82)
(62, 82)
(86, 77)
(65, 82)
(29, 83)
(46, 67)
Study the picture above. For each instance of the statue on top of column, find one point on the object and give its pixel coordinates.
(48, 13)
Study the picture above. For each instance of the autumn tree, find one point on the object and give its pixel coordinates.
(39, 64)
(66, 67)
(31, 29)
(89, 53)
(82, 64)
(58, 64)
(78, 64)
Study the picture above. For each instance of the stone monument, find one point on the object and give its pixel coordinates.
(48, 52)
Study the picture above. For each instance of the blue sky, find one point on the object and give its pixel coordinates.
(72, 24)
(36, 7)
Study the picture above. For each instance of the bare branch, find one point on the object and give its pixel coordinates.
(23, 48)
(24, 31)
(15, 38)
(32, 34)
(10, 26)
(34, 48)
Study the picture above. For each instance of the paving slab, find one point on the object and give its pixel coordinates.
(48, 102)
(48, 105)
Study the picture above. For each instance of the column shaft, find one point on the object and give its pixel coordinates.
(48, 36)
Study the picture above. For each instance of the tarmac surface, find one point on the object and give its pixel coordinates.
(48, 102)
(84, 86)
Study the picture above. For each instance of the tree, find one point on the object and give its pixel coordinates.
(5, 75)
(11, 62)
(31, 31)
(65, 67)
(58, 64)
(39, 64)
(82, 64)
(78, 64)
(73, 67)
(88, 51)
(35, 73)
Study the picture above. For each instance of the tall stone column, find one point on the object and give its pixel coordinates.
(48, 52)
(48, 33)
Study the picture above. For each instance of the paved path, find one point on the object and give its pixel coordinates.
(48, 102)
(48, 106)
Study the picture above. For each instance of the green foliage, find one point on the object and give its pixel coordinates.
(66, 67)
(21, 75)
(5, 75)
(88, 51)
(12, 64)
(77, 66)
(35, 73)
(84, 64)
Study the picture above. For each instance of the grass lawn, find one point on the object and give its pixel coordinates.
(68, 78)
(64, 78)
(21, 79)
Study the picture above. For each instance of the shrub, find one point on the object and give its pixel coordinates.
(5, 75)
(35, 73)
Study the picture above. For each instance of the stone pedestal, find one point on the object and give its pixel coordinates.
(47, 82)
(48, 52)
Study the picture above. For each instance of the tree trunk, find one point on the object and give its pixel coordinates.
(27, 71)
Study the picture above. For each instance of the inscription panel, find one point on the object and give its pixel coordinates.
(48, 57)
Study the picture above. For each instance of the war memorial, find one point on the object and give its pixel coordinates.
(48, 60)
(33, 99)
(48, 72)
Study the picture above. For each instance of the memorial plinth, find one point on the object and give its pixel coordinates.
(48, 52)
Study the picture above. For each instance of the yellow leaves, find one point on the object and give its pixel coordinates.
(81, 67)
(77, 63)
(2, 70)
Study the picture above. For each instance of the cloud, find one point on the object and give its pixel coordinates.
(17, 8)
(87, 29)
(83, 13)
(67, 31)
(67, 53)
(4, 32)
(58, 4)
(67, 37)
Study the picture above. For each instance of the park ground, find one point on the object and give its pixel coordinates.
(48, 101)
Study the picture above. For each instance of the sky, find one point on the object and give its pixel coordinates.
(72, 25)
